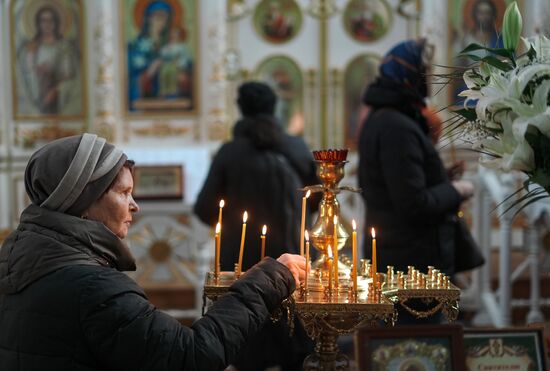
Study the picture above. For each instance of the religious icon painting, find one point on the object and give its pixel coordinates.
(518, 348)
(412, 347)
(285, 77)
(277, 21)
(367, 20)
(360, 71)
(47, 60)
(472, 21)
(159, 39)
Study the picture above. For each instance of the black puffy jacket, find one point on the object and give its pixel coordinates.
(263, 181)
(88, 316)
(408, 196)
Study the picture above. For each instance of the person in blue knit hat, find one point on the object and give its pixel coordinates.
(410, 200)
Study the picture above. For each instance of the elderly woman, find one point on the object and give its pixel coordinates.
(66, 305)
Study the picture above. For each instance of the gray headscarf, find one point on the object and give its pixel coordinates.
(63, 179)
(69, 174)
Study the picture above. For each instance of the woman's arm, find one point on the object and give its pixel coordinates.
(124, 331)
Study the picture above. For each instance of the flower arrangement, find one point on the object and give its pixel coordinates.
(506, 110)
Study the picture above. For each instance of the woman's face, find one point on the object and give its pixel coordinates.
(158, 21)
(116, 207)
(484, 16)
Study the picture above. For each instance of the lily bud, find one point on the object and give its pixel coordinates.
(511, 27)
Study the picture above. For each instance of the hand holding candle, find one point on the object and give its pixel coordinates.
(241, 250)
(303, 226)
(217, 251)
(264, 231)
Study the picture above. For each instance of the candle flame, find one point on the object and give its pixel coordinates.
(329, 252)
(308, 193)
(335, 220)
(373, 233)
(353, 224)
(264, 229)
(306, 235)
(245, 217)
(218, 228)
(222, 203)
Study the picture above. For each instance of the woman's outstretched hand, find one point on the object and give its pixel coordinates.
(296, 264)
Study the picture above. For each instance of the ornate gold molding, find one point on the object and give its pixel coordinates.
(161, 129)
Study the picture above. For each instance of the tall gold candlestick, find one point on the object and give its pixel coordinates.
(241, 250)
(217, 251)
(264, 231)
(307, 260)
(374, 266)
(335, 238)
(354, 255)
(303, 226)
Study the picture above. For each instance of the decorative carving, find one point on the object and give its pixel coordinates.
(165, 252)
(29, 138)
(104, 90)
(217, 123)
(322, 9)
(161, 129)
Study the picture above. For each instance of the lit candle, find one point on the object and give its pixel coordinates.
(222, 204)
(374, 269)
(354, 254)
(307, 258)
(303, 226)
(335, 242)
(329, 262)
(217, 251)
(241, 250)
(264, 231)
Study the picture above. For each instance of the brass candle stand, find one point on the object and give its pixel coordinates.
(328, 312)
(330, 306)
(325, 233)
(433, 287)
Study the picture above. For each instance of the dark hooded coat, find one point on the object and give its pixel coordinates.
(64, 305)
(410, 201)
(264, 181)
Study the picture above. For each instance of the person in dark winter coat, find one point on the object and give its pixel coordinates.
(261, 171)
(66, 305)
(410, 200)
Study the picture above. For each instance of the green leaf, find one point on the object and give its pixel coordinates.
(471, 48)
(541, 149)
(495, 62)
(501, 52)
(532, 53)
(468, 113)
(473, 57)
(511, 27)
